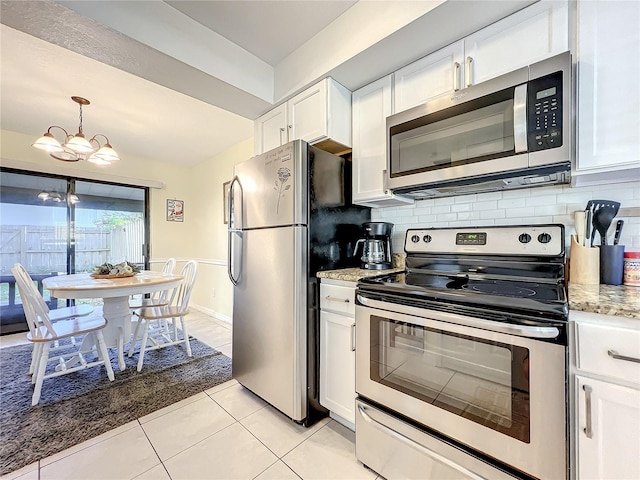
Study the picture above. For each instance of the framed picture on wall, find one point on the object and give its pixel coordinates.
(175, 210)
(225, 191)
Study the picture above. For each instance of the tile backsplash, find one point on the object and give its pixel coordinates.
(554, 204)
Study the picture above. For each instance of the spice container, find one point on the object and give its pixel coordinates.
(632, 268)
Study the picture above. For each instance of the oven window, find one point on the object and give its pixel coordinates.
(480, 134)
(483, 381)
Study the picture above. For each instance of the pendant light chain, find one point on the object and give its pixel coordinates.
(80, 127)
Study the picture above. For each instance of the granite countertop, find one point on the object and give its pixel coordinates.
(622, 300)
(355, 274)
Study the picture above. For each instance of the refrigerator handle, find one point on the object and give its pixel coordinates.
(232, 229)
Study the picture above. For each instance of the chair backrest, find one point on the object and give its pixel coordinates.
(181, 295)
(169, 265)
(167, 269)
(21, 273)
(35, 308)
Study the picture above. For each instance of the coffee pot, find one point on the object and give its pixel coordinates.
(376, 246)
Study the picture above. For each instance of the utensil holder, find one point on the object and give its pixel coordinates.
(611, 264)
(585, 264)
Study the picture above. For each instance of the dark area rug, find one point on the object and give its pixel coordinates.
(81, 405)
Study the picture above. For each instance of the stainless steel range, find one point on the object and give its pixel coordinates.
(461, 361)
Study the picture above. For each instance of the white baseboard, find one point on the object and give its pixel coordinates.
(212, 313)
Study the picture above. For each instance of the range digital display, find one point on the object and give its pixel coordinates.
(479, 238)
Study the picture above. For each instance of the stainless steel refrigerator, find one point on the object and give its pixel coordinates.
(290, 216)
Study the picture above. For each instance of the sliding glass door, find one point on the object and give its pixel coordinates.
(109, 225)
(58, 225)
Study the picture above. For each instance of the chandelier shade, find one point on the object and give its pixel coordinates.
(76, 147)
(48, 143)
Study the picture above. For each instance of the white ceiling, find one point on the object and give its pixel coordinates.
(181, 81)
(269, 29)
(141, 118)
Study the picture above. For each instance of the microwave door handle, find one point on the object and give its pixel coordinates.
(520, 118)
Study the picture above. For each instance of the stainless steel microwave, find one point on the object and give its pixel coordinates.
(513, 131)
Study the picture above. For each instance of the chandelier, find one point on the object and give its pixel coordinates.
(57, 197)
(77, 147)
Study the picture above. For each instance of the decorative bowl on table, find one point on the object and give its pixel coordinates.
(120, 270)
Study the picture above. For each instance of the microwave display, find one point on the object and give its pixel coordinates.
(546, 93)
(544, 106)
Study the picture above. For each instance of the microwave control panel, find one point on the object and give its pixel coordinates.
(544, 117)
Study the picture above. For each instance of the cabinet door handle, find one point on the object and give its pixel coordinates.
(468, 72)
(353, 337)
(336, 299)
(588, 430)
(456, 76)
(281, 132)
(617, 356)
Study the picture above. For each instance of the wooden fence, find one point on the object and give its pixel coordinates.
(43, 249)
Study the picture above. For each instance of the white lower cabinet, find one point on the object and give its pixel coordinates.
(608, 430)
(606, 402)
(337, 351)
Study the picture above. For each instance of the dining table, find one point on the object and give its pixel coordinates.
(115, 293)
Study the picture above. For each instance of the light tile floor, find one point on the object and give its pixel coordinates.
(222, 433)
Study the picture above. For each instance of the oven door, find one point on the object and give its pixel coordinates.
(501, 394)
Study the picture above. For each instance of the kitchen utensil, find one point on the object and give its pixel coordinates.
(588, 212)
(602, 219)
(616, 236)
(579, 220)
(596, 205)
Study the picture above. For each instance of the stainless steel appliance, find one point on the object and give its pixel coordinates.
(461, 361)
(513, 131)
(376, 246)
(289, 217)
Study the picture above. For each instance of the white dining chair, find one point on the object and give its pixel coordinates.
(25, 282)
(157, 299)
(43, 333)
(159, 325)
(58, 313)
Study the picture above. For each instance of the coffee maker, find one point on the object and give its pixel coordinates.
(376, 246)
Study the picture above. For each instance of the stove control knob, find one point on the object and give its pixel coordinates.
(544, 238)
(426, 238)
(524, 238)
(415, 238)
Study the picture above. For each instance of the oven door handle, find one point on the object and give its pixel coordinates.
(527, 331)
(389, 431)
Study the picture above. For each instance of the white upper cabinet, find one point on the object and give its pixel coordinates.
(372, 104)
(608, 93)
(430, 77)
(528, 36)
(320, 115)
(270, 130)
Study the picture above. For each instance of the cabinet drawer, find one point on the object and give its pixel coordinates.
(599, 345)
(334, 298)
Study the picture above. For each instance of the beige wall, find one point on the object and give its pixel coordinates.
(201, 236)
(213, 291)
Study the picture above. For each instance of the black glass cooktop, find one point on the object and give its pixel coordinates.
(522, 296)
